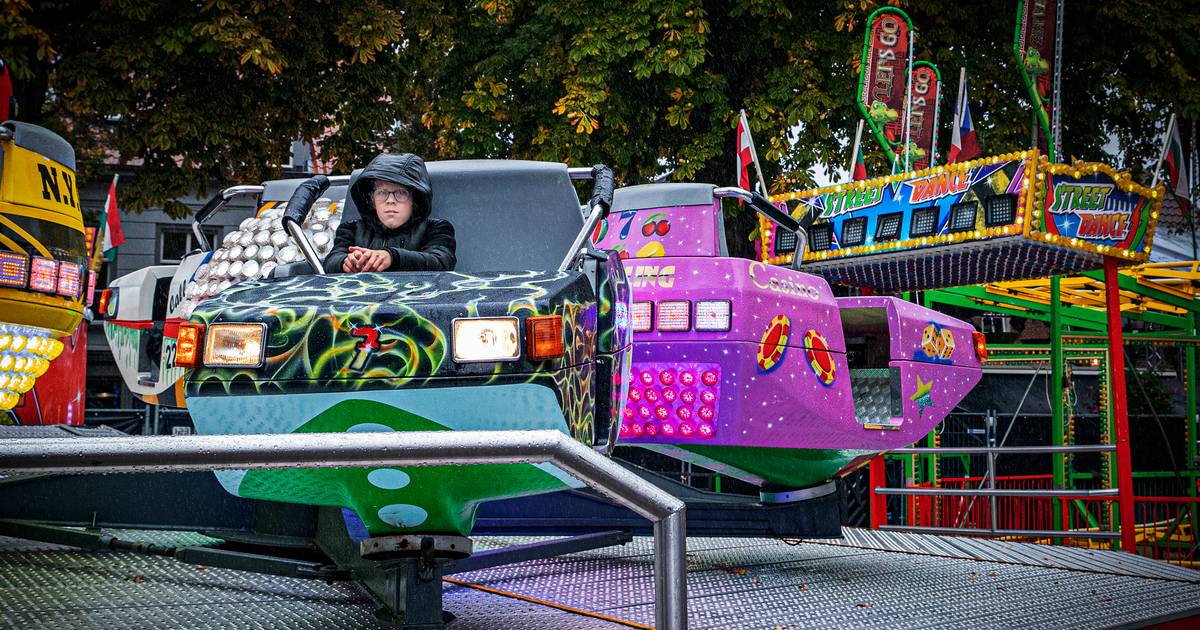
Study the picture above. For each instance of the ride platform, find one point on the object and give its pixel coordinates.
(866, 579)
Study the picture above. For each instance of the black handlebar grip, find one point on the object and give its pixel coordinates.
(602, 189)
(772, 212)
(305, 196)
(210, 207)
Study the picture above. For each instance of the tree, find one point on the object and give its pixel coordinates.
(200, 94)
(216, 91)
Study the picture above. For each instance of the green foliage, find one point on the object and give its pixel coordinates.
(215, 91)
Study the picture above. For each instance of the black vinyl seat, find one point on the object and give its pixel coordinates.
(508, 215)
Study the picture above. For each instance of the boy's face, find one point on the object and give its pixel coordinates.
(393, 204)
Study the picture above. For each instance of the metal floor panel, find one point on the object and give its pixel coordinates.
(937, 582)
(1073, 558)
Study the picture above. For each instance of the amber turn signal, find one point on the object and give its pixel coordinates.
(188, 344)
(103, 302)
(980, 345)
(543, 337)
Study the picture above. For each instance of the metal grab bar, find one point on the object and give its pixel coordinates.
(353, 450)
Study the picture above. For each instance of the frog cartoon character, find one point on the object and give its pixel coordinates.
(931, 341)
(947, 343)
(881, 113)
(1034, 63)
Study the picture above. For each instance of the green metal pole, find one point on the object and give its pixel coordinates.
(1191, 424)
(1056, 384)
(931, 466)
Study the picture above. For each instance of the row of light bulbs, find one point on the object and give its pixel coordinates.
(259, 245)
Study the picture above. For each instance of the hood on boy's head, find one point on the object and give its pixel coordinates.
(405, 169)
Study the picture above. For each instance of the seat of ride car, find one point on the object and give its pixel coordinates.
(508, 215)
(669, 195)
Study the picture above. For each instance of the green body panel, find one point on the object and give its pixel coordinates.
(447, 496)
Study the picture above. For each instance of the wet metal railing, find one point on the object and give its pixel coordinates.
(353, 450)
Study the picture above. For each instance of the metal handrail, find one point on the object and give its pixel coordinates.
(1030, 533)
(354, 450)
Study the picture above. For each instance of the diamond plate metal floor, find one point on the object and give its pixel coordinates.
(868, 579)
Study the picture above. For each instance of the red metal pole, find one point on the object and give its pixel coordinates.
(878, 479)
(1116, 366)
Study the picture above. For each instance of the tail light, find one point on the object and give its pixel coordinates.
(674, 315)
(713, 315)
(544, 337)
(106, 300)
(643, 319)
(980, 345)
(189, 344)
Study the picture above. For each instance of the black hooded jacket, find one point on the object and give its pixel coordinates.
(421, 244)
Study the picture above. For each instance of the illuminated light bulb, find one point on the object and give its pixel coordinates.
(5, 379)
(644, 411)
(708, 397)
(8, 400)
(706, 414)
(635, 429)
(647, 378)
(666, 377)
(684, 413)
(651, 395)
(661, 412)
(685, 429)
(635, 394)
(18, 343)
(5, 341)
(667, 429)
(6, 362)
(709, 378)
(627, 412)
(669, 394)
(34, 345)
(23, 383)
(650, 429)
(688, 396)
(56, 348)
(705, 430)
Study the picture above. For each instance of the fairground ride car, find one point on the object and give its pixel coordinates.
(759, 372)
(531, 331)
(44, 269)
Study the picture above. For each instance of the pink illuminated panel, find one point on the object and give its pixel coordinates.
(43, 275)
(13, 269)
(70, 279)
(673, 400)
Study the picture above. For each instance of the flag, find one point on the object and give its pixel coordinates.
(744, 155)
(859, 171)
(1177, 175)
(963, 145)
(111, 224)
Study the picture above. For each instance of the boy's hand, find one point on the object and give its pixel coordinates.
(364, 259)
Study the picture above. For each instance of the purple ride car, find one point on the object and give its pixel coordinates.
(758, 371)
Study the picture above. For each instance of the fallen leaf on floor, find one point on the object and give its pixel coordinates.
(138, 579)
(862, 605)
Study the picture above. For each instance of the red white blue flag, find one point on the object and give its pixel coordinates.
(963, 145)
(745, 153)
(1177, 175)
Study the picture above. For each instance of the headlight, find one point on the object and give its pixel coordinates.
(234, 345)
(486, 339)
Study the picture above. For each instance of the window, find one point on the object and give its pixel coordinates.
(175, 242)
